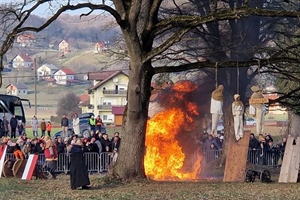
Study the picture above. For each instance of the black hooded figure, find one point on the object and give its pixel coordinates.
(78, 170)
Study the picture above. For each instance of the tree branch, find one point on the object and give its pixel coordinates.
(210, 64)
(168, 43)
(241, 12)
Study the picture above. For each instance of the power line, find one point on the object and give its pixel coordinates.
(32, 76)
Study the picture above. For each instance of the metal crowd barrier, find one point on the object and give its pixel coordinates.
(271, 159)
(100, 163)
(212, 155)
(95, 162)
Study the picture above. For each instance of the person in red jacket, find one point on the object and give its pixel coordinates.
(50, 152)
(48, 128)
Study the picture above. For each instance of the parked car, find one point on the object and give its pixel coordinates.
(220, 126)
(84, 127)
(250, 122)
(6, 70)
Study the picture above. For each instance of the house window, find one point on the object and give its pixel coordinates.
(104, 117)
(19, 91)
(23, 91)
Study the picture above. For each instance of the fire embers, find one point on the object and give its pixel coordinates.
(167, 156)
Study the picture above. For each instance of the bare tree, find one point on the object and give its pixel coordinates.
(68, 105)
(150, 35)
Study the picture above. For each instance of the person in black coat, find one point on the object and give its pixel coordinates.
(78, 170)
(253, 143)
(35, 147)
(115, 144)
(61, 146)
(13, 124)
(4, 126)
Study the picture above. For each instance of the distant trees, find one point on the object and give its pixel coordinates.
(71, 28)
(68, 104)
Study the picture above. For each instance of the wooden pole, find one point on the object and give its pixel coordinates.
(236, 160)
(35, 90)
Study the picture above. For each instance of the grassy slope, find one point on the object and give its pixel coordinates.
(103, 189)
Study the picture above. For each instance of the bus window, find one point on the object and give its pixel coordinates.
(18, 111)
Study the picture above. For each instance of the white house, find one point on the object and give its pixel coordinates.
(109, 90)
(64, 76)
(99, 47)
(46, 71)
(64, 47)
(22, 61)
(16, 89)
(25, 40)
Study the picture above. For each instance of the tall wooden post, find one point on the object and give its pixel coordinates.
(236, 160)
(35, 90)
(290, 164)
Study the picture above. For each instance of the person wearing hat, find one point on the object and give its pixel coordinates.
(257, 110)
(238, 112)
(216, 107)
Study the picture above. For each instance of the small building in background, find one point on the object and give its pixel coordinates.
(26, 40)
(22, 61)
(64, 47)
(64, 76)
(17, 89)
(99, 47)
(118, 112)
(46, 71)
(84, 102)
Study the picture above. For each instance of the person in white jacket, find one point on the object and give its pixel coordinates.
(76, 127)
(238, 113)
(34, 126)
(216, 107)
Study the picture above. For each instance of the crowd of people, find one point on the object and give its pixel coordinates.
(97, 143)
(262, 150)
(21, 146)
(13, 128)
(265, 151)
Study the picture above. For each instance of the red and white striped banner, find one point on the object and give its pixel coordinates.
(30, 166)
(2, 157)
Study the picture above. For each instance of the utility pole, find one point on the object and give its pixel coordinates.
(35, 95)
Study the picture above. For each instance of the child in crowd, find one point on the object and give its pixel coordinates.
(20, 127)
(48, 128)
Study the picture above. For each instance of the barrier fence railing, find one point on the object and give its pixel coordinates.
(100, 162)
(95, 162)
(271, 159)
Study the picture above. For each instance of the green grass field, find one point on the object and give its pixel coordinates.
(103, 188)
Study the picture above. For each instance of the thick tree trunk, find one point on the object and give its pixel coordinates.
(228, 125)
(294, 125)
(130, 163)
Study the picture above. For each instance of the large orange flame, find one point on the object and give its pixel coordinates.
(165, 158)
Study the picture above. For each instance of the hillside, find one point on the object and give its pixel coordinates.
(47, 96)
(91, 28)
(82, 35)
